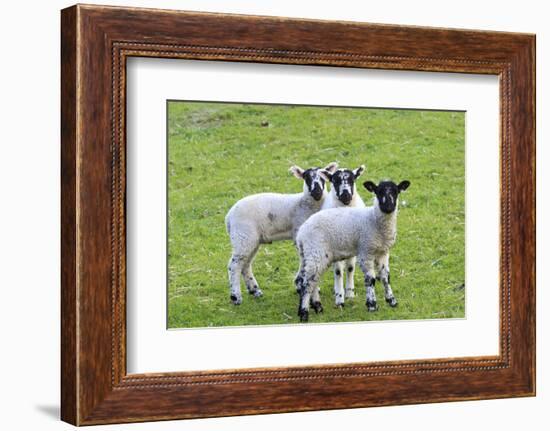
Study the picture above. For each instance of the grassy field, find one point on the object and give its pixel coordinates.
(219, 153)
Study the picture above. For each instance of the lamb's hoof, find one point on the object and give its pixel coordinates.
(349, 294)
(256, 292)
(392, 302)
(236, 300)
(371, 306)
(317, 306)
(341, 305)
(303, 314)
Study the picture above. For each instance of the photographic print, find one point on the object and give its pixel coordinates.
(224, 192)
(286, 214)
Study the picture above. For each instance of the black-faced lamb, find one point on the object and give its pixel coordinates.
(266, 217)
(343, 193)
(340, 233)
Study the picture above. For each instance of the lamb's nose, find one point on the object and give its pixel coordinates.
(317, 193)
(345, 197)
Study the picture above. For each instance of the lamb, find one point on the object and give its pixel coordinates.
(340, 233)
(343, 193)
(267, 217)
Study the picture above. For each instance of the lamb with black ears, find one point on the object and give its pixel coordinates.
(340, 233)
(266, 217)
(343, 193)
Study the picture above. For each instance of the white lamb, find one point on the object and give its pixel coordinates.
(340, 233)
(267, 217)
(343, 193)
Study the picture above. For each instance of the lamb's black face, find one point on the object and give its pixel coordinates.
(343, 182)
(315, 183)
(314, 178)
(387, 193)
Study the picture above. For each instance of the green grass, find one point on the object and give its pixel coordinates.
(219, 153)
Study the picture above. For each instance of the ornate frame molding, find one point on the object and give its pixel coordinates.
(96, 41)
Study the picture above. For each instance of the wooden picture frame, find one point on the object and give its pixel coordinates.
(95, 43)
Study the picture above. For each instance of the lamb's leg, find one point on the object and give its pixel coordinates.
(234, 268)
(315, 299)
(300, 250)
(350, 285)
(367, 266)
(244, 247)
(339, 283)
(309, 294)
(249, 279)
(384, 275)
(312, 264)
(307, 282)
(304, 289)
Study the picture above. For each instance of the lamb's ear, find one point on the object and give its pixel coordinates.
(357, 172)
(331, 167)
(297, 171)
(403, 185)
(370, 186)
(326, 175)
